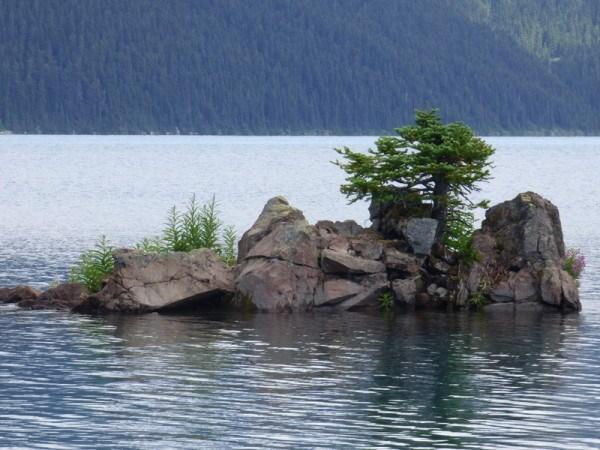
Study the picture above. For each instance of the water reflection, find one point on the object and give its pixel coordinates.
(351, 380)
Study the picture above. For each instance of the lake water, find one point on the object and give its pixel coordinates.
(267, 381)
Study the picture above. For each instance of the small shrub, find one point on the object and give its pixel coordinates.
(386, 301)
(478, 300)
(574, 262)
(459, 236)
(94, 266)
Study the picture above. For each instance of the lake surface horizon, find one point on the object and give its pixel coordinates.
(422, 380)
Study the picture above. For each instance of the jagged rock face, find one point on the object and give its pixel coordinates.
(277, 210)
(279, 266)
(288, 265)
(353, 272)
(153, 282)
(521, 255)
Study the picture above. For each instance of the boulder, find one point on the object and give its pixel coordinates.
(288, 241)
(338, 290)
(405, 290)
(401, 262)
(65, 296)
(289, 265)
(279, 260)
(346, 228)
(372, 286)
(521, 255)
(277, 285)
(145, 282)
(18, 294)
(420, 234)
(277, 210)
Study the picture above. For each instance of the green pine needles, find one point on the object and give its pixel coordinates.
(431, 164)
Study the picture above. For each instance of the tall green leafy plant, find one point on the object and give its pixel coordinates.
(198, 226)
(94, 266)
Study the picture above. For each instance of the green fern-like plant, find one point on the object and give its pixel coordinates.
(210, 226)
(196, 227)
(229, 248)
(173, 236)
(94, 266)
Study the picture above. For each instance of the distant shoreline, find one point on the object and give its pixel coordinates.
(374, 135)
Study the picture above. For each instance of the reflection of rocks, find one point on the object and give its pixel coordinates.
(143, 282)
(521, 255)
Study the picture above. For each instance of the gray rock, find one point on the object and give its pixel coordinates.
(395, 260)
(521, 254)
(367, 248)
(152, 282)
(405, 290)
(372, 287)
(420, 234)
(295, 242)
(524, 286)
(335, 262)
(277, 210)
(441, 292)
(502, 293)
(279, 267)
(439, 265)
(431, 289)
(347, 228)
(551, 286)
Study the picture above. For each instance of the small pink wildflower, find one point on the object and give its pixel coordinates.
(574, 262)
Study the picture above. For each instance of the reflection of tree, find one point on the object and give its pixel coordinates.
(433, 376)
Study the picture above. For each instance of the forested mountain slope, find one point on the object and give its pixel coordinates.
(295, 66)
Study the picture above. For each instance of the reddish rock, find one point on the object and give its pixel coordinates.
(65, 296)
(521, 253)
(18, 294)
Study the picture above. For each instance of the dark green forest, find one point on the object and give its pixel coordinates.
(298, 66)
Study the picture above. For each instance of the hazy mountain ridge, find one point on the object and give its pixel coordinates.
(298, 67)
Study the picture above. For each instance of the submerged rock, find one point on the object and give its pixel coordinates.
(152, 282)
(18, 294)
(65, 296)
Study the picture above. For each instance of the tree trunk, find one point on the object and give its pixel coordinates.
(440, 207)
